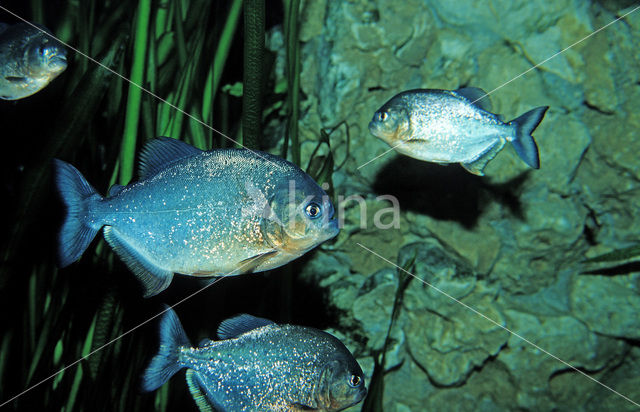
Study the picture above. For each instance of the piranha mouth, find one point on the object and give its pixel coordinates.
(59, 60)
(333, 228)
(376, 129)
(373, 127)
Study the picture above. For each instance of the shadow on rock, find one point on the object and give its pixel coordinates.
(446, 192)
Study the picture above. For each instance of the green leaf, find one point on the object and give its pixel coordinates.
(616, 255)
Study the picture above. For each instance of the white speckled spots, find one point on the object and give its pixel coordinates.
(197, 216)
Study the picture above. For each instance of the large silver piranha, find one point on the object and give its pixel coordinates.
(200, 213)
(29, 60)
(259, 366)
(444, 126)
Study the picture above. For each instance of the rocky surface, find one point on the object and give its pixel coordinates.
(517, 320)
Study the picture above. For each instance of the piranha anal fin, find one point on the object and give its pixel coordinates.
(198, 390)
(477, 166)
(240, 324)
(153, 278)
(159, 153)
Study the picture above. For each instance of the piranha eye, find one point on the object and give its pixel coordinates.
(313, 210)
(354, 381)
(383, 116)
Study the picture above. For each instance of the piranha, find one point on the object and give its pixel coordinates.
(201, 213)
(30, 58)
(259, 365)
(444, 126)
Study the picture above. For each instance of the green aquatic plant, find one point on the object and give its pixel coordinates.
(374, 399)
(253, 78)
(616, 255)
(291, 16)
(99, 121)
(134, 92)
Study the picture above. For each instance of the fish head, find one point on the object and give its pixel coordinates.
(341, 383)
(302, 216)
(391, 122)
(46, 57)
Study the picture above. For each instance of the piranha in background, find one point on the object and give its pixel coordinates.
(29, 60)
(216, 213)
(259, 366)
(445, 126)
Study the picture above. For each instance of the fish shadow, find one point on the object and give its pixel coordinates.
(446, 192)
(279, 295)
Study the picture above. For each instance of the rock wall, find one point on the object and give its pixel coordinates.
(508, 245)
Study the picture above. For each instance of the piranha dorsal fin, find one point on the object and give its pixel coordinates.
(153, 278)
(159, 153)
(476, 96)
(240, 324)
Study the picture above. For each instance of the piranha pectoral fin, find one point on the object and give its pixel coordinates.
(153, 278)
(477, 166)
(16, 79)
(248, 265)
(523, 142)
(198, 390)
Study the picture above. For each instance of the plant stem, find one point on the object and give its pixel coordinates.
(127, 150)
(253, 73)
(291, 11)
(219, 59)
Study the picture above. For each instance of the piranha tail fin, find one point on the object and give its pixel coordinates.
(523, 142)
(166, 363)
(76, 192)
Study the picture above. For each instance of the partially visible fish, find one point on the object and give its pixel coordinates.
(446, 126)
(221, 212)
(259, 366)
(29, 60)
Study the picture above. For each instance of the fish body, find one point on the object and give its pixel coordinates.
(259, 366)
(215, 213)
(444, 126)
(29, 60)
